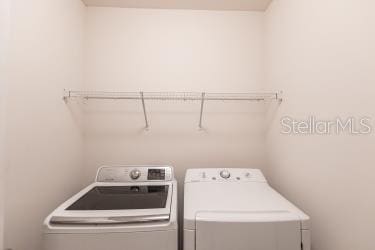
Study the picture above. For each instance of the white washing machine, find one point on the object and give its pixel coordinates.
(128, 207)
(236, 209)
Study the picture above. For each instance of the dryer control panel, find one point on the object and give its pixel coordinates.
(224, 175)
(134, 173)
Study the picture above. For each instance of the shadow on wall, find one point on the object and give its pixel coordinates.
(4, 39)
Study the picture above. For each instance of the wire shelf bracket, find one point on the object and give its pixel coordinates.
(202, 97)
(201, 113)
(144, 111)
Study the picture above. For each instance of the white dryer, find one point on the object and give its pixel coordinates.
(236, 209)
(128, 207)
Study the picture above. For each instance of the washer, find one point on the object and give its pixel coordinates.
(127, 207)
(237, 209)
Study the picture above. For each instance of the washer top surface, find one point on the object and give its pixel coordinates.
(233, 195)
(122, 198)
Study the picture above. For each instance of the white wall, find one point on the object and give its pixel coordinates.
(322, 54)
(4, 38)
(173, 50)
(44, 141)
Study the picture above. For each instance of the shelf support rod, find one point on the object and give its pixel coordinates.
(66, 95)
(144, 110)
(201, 114)
(279, 96)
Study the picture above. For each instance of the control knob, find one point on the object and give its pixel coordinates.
(135, 174)
(225, 174)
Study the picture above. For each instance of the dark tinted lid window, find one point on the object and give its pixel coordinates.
(122, 197)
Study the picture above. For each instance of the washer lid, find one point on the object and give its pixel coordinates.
(115, 203)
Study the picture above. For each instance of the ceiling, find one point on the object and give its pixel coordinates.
(246, 5)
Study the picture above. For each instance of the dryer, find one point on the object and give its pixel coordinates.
(236, 209)
(127, 207)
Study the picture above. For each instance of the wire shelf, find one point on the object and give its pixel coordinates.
(184, 96)
(202, 97)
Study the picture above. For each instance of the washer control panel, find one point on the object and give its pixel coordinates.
(224, 175)
(134, 173)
